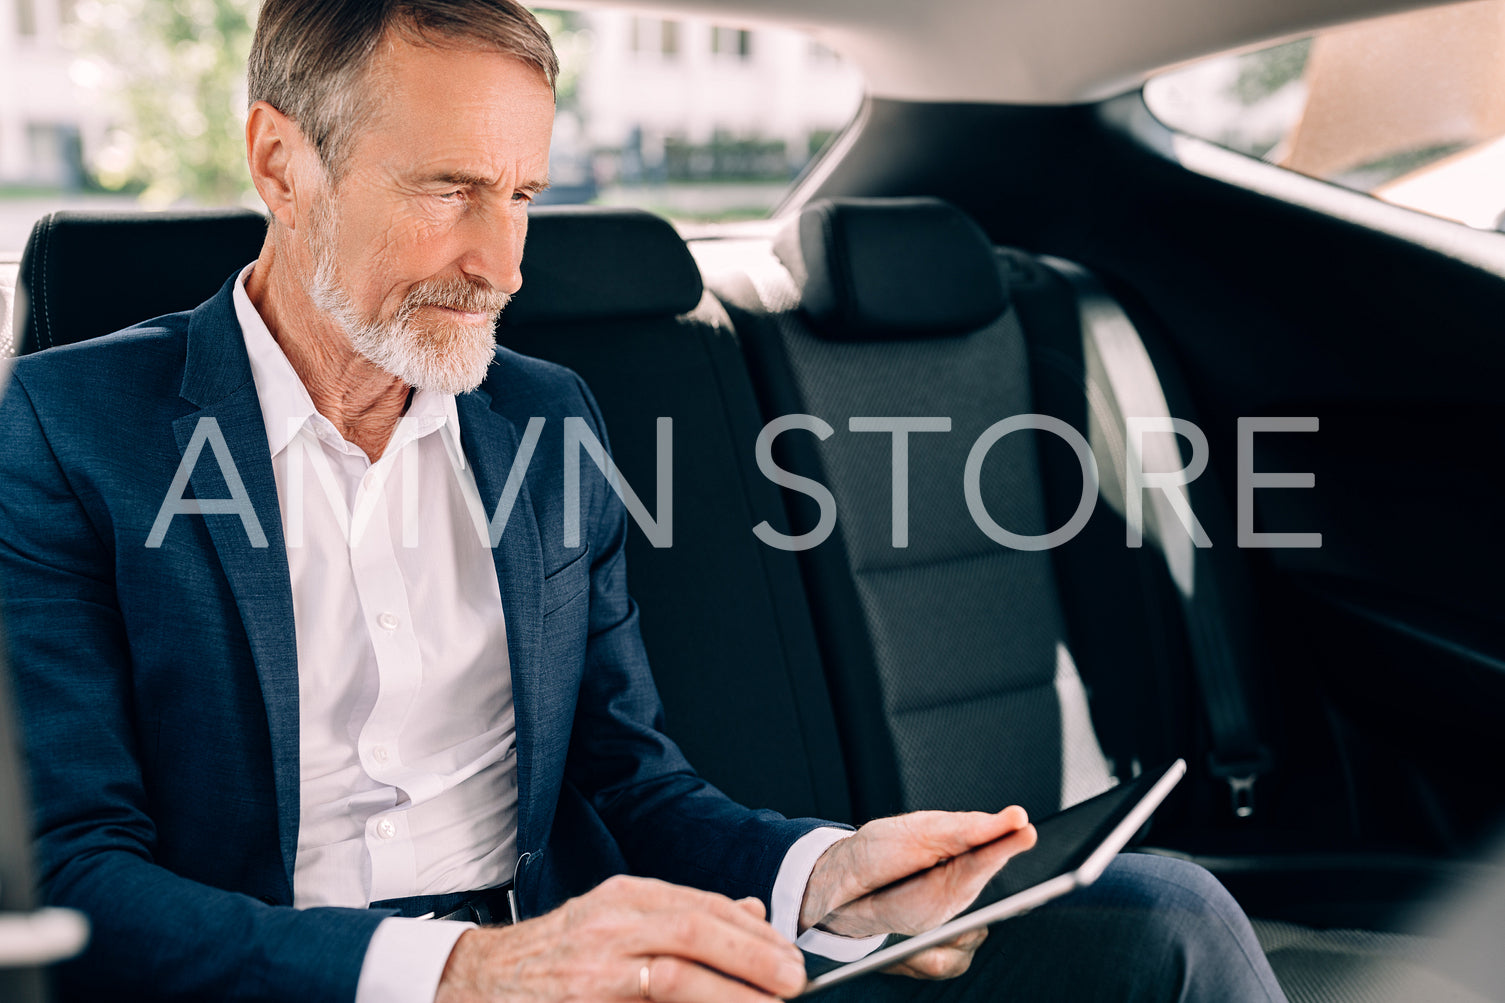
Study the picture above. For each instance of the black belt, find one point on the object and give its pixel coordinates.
(491, 907)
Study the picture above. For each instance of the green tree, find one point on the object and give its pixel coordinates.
(572, 43)
(175, 71)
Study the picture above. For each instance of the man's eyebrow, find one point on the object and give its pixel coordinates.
(459, 179)
(467, 179)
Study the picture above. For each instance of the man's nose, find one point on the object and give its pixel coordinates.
(493, 249)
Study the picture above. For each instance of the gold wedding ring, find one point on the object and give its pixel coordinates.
(645, 982)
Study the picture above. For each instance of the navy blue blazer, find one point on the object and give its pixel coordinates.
(159, 694)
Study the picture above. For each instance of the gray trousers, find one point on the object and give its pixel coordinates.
(1150, 929)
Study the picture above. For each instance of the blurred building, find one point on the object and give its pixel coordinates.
(690, 99)
(46, 120)
(653, 100)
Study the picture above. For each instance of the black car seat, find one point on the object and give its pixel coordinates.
(951, 660)
(948, 654)
(614, 294)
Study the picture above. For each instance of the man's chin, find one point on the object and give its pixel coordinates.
(446, 376)
(450, 359)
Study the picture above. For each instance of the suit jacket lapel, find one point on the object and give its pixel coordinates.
(217, 378)
(490, 442)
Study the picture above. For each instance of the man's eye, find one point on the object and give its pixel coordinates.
(453, 196)
(521, 196)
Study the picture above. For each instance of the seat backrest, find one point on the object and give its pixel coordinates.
(87, 274)
(954, 684)
(615, 295)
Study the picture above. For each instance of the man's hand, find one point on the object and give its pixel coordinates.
(841, 899)
(697, 946)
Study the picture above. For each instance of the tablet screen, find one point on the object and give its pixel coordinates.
(1067, 839)
(1065, 842)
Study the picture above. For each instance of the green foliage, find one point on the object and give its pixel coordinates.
(175, 71)
(1262, 73)
(726, 158)
(572, 45)
(817, 141)
(1388, 168)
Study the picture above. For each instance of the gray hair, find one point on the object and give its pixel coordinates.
(310, 58)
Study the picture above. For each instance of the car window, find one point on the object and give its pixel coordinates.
(1408, 108)
(131, 103)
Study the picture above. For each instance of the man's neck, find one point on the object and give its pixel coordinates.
(363, 402)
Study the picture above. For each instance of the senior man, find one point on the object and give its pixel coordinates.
(284, 745)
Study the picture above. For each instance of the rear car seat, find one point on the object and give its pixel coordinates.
(615, 295)
(86, 274)
(951, 669)
(943, 686)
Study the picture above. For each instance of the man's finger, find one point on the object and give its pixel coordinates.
(945, 961)
(969, 941)
(933, 963)
(949, 834)
(724, 946)
(739, 913)
(932, 896)
(753, 907)
(977, 866)
(672, 980)
(661, 896)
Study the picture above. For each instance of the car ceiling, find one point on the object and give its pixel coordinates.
(1023, 51)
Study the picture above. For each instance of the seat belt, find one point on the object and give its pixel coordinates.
(1121, 382)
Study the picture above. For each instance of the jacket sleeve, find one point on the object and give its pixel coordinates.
(669, 822)
(155, 935)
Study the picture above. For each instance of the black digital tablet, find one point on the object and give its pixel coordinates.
(1072, 849)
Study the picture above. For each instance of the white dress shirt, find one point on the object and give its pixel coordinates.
(407, 758)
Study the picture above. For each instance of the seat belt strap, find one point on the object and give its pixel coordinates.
(1122, 383)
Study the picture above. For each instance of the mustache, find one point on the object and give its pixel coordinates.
(469, 295)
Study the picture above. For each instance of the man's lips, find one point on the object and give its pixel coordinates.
(464, 316)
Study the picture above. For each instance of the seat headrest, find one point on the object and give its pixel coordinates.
(584, 263)
(85, 274)
(88, 274)
(871, 269)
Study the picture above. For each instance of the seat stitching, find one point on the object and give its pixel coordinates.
(46, 256)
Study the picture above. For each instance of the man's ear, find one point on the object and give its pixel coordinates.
(272, 145)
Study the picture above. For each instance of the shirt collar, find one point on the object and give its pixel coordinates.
(286, 407)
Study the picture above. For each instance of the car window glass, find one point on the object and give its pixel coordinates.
(1408, 108)
(138, 103)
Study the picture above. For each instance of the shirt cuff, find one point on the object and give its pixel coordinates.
(405, 959)
(789, 894)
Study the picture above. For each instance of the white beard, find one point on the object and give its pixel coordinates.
(445, 356)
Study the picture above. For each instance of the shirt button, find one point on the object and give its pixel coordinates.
(379, 753)
(387, 621)
(385, 829)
